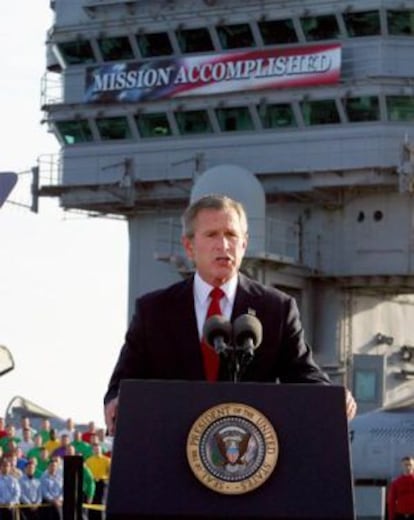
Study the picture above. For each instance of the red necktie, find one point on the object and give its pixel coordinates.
(210, 357)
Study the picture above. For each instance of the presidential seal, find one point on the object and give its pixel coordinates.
(232, 448)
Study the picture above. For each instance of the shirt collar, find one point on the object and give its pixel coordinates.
(202, 289)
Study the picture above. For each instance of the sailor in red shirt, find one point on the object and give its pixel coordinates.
(3, 431)
(400, 498)
(86, 436)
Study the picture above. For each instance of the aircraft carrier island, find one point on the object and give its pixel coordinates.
(302, 110)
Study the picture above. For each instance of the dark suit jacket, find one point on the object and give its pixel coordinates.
(162, 340)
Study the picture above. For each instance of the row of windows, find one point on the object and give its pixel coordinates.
(234, 119)
(237, 36)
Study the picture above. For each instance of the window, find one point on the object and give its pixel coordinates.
(194, 40)
(401, 23)
(363, 108)
(153, 125)
(365, 23)
(400, 108)
(193, 122)
(235, 36)
(365, 385)
(369, 380)
(117, 48)
(320, 27)
(73, 132)
(77, 52)
(277, 32)
(234, 119)
(276, 116)
(154, 44)
(322, 112)
(113, 128)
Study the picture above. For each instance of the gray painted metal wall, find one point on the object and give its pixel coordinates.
(338, 223)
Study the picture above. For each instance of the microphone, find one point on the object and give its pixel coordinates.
(247, 334)
(217, 333)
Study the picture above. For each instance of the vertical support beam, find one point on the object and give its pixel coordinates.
(72, 487)
(35, 190)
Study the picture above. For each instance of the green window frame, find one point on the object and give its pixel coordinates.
(235, 36)
(362, 23)
(277, 32)
(400, 108)
(75, 131)
(277, 115)
(113, 128)
(317, 28)
(400, 22)
(234, 119)
(154, 124)
(194, 40)
(154, 44)
(77, 52)
(116, 48)
(362, 108)
(193, 122)
(320, 112)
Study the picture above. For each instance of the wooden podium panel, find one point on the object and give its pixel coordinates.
(151, 477)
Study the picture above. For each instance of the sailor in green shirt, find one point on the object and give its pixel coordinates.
(11, 437)
(81, 447)
(88, 482)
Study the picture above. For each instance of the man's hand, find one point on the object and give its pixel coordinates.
(111, 409)
(351, 406)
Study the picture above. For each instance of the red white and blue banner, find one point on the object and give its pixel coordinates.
(250, 70)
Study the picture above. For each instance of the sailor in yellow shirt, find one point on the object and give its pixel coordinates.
(52, 443)
(100, 466)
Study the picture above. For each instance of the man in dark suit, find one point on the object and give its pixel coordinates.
(163, 339)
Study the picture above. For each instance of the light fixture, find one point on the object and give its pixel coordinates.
(381, 339)
(406, 353)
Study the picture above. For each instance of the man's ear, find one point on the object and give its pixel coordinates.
(188, 246)
(246, 241)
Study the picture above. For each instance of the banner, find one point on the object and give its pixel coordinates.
(250, 70)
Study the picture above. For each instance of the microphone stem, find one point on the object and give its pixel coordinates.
(236, 366)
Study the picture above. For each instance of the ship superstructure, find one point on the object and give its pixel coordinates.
(313, 98)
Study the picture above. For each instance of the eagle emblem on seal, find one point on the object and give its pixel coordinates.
(232, 448)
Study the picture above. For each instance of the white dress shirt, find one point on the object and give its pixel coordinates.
(202, 299)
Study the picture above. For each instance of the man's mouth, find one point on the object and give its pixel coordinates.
(223, 260)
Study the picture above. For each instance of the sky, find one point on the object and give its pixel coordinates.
(63, 276)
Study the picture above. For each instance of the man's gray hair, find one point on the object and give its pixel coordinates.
(213, 201)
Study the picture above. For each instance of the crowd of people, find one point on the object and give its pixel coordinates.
(32, 468)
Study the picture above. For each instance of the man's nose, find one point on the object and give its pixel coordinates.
(223, 241)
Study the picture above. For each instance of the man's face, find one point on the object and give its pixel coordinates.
(53, 467)
(218, 245)
(6, 467)
(30, 468)
(44, 454)
(408, 466)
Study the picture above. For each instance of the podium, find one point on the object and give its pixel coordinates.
(151, 476)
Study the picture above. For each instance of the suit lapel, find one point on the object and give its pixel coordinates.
(186, 340)
(245, 301)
